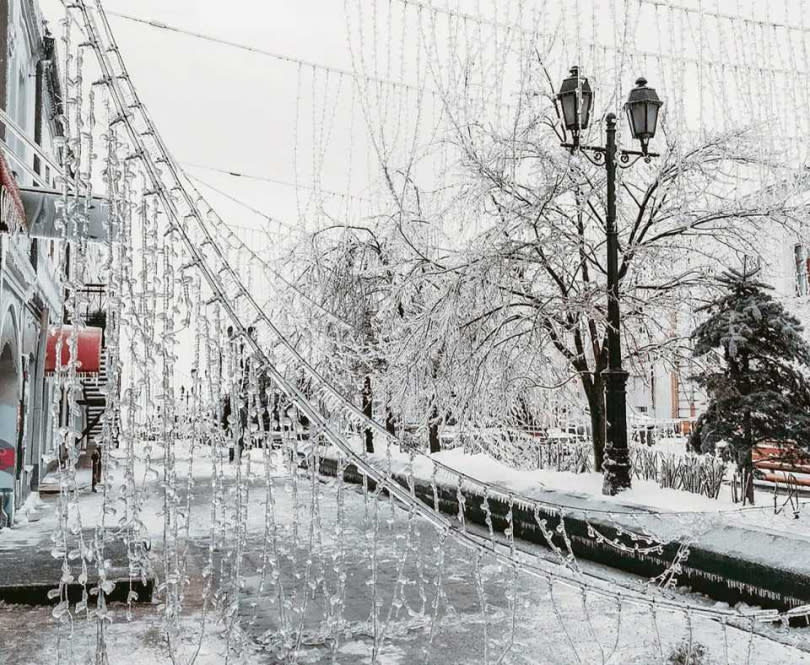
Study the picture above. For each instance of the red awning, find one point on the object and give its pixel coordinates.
(12, 213)
(8, 457)
(88, 348)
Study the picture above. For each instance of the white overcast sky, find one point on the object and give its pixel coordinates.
(228, 109)
(222, 107)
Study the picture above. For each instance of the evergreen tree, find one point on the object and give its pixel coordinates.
(756, 370)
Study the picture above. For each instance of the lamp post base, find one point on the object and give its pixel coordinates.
(616, 465)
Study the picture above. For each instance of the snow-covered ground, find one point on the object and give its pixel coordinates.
(584, 490)
(429, 597)
(644, 493)
(668, 513)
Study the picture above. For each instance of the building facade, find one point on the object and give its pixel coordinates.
(30, 295)
(665, 391)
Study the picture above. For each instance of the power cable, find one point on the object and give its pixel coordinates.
(246, 206)
(250, 176)
(160, 25)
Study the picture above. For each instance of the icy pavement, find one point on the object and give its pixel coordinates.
(483, 610)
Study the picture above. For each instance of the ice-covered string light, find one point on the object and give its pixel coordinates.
(152, 321)
(468, 479)
(232, 283)
(652, 548)
(655, 547)
(79, 553)
(130, 417)
(370, 92)
(747, 75)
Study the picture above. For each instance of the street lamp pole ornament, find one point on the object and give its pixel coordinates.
(642, 107)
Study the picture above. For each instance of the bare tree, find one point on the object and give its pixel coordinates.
(521, 304)
(344, 274)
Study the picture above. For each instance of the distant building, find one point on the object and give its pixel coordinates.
(667, 392)
(30, 297)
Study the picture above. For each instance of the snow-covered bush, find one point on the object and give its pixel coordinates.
(689, 653)
(573, 456)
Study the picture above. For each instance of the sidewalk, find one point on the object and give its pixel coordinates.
(31, 565)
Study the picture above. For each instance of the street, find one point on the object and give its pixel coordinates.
(299, 616)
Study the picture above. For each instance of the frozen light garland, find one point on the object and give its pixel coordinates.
(230, 303)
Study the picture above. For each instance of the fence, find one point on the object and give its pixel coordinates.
(571, 449)
(555, 450)
(647, 430)
(689, 472)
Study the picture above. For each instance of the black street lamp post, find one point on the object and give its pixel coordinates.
(643, 104)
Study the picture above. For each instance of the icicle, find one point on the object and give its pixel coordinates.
(482, 601)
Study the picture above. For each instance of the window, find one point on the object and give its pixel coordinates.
(22, 112)
(802, 274)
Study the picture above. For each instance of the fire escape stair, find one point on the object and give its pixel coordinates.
(94, 403)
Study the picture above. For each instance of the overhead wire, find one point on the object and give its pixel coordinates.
(278, 181)
(246, 206)
(160, 25)
(330, 314)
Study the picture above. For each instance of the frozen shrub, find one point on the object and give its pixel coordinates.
(689, 653)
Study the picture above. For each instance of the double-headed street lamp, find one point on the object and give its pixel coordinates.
(642, 107)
